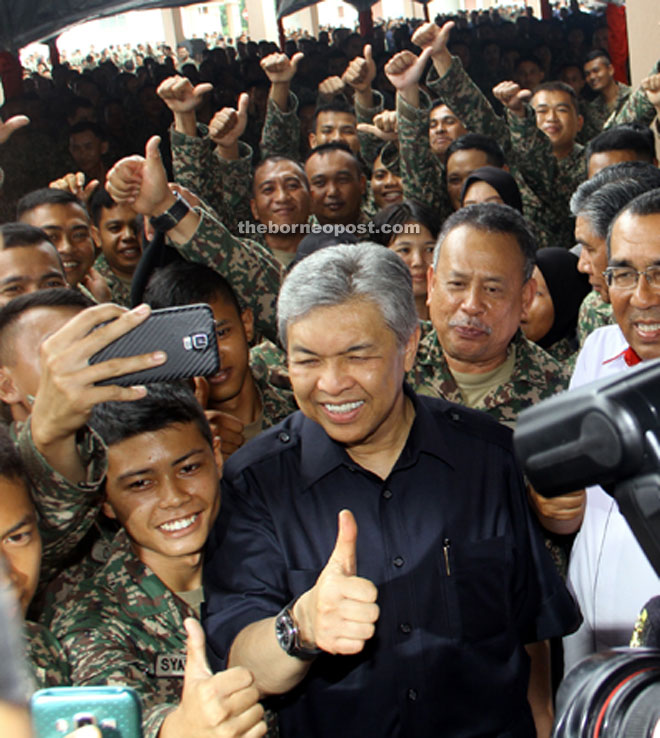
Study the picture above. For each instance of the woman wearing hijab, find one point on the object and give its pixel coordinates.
(491, 184)
(552, 317)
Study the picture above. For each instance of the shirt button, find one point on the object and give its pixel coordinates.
(412, 694)
(405, 628)
(387, 494)
(398, 561)
(454, 416)
(284, 437)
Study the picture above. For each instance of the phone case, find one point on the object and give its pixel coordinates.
(58, 711)
(186, 333)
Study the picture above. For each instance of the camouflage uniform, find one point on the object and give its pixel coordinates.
(48, 662)
(277, 400)
(66, 511)
(125, 626)
(594, 313)
(268, 362)
(280, 135)
(249, 267)
(597, 111)
(536, 375)
(553, 180)
(120, 289)
(636, 108)
(224, 184)
(424, 171)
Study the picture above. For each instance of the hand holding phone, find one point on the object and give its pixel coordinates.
(86, 712)
(68, 388)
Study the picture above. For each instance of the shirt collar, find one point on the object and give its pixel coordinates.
(320, 455)
(629, 355)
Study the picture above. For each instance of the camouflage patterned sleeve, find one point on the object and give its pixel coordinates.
(66, 511)
(280, 135)
(457, 90)
(422, 174)
(108, 655)
(194, 166)
(369, 145)
(251, 269)
(532, 152)
(236, 178)
(637, 108)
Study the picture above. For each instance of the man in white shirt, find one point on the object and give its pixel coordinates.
(609, 573)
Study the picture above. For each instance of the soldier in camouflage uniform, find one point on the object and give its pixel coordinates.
(595, 204)
(423, 173)
(126, 624)
(536, 376)
(117, 232)
(611, 95)
(20, 556)
(236, 389)
(594, 313)
(279, 196)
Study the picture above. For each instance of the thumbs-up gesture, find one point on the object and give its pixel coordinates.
(222, 704)
(279, 68)
(361, 71)
(141, 181)
(339, 613)
(228, 124)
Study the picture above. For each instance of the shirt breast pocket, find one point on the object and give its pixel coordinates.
(480, 582)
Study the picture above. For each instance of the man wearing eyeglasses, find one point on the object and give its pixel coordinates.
(608, 571)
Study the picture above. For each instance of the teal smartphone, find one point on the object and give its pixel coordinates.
(58, 711)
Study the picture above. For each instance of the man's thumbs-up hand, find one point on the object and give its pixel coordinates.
(221, 704)
(339, 613)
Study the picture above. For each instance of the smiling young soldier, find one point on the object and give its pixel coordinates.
(117, 232)
(66, 222)
(126, 624)
(339, 519)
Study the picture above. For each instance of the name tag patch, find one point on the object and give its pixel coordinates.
(170, 664)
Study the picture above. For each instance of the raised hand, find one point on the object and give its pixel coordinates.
(11, 125)
(75, 183)
(228, 125)
(428, 35)
(279, 68)
(651, 86)
(385, 126)
(405, 69)
(512, 96)
(141, 182)
(179, 94)
(331, 86)
(361, 71)
(339, 613)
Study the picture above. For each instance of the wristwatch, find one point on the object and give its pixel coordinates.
(172, 217)
(288, 635)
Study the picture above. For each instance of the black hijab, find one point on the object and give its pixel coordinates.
(567, 288)
(500, 180)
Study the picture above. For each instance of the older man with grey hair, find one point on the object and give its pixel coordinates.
(594, 205)
(375, 563)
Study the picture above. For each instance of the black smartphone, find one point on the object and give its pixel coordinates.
(187, 335)
(58, 711)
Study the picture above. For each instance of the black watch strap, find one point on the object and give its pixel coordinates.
(172, 217)
(288, 635)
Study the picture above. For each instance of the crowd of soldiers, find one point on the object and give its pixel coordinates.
(512, 175)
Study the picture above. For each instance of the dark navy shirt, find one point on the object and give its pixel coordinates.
(463, 577)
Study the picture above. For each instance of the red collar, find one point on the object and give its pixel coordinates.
(630, 356)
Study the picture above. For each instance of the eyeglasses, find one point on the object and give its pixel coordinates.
(626, 278)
